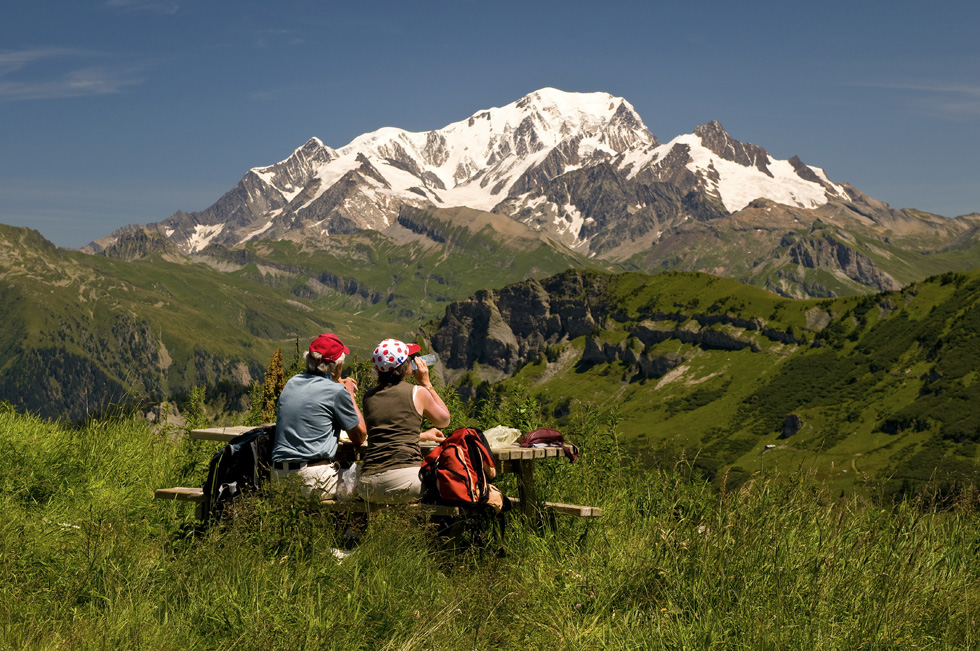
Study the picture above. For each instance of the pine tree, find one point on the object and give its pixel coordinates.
(298, 365)
(275, 380)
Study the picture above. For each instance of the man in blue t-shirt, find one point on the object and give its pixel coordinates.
(313, 409)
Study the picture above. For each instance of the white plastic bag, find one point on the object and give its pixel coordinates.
(347, 479)
(501, 436)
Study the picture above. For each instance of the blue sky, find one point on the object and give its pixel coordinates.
(124, 111)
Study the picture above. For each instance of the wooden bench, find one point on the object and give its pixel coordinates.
(180, 493)
(360, 506)
(183, 494)
(194, 494)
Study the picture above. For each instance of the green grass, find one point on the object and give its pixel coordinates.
(89, 560)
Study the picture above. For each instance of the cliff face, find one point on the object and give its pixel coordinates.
(826, 252)
(502, 330)
(495, 333)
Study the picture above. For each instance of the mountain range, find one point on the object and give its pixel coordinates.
(584, 171)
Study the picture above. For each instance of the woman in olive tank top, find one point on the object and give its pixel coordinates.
(393, 413)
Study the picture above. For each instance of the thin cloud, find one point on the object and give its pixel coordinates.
(76, 79)
(14, 61)
(159, 7)
(945, 100)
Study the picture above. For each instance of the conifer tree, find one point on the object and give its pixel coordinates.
(275, 380)
(298, 365)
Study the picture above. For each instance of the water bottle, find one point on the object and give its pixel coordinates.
(430, 360)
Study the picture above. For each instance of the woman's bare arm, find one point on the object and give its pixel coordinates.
(427, 401)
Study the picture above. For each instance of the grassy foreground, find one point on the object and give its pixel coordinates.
(89, 561)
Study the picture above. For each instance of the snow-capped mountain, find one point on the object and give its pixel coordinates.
(581, 167)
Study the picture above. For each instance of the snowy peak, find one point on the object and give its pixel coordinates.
(714, 137)
(292, 174)
(733, 172)
(476, 162)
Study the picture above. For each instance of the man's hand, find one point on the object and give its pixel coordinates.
(350, 384)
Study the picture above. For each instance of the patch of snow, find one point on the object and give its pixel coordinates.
(738, 185)
(838, 188)
(203, 234)
(574, 226)
(264, 173)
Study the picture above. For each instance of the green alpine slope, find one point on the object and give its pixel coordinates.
(142, 322)
(878, 391)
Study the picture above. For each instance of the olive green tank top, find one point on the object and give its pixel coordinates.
(393, 427)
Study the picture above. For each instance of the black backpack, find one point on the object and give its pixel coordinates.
(239, 468)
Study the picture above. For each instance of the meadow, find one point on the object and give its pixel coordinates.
(88, 560)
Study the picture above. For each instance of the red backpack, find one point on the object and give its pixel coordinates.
(459, 470)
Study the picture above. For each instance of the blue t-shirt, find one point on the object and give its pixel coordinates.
(312, 411)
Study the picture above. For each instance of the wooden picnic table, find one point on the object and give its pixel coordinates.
(508, 458)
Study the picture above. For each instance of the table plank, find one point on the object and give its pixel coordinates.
(511, 452)
(223, 434)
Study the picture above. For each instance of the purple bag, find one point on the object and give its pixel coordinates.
(550, 438)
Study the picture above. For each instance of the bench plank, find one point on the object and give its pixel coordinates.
(196, 494)
(567, 509)
(181, 493)
(360, 506)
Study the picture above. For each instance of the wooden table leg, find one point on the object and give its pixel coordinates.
(525, 489)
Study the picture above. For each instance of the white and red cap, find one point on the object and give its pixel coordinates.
(391, 354)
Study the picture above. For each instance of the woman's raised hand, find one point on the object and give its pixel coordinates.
(421, 372)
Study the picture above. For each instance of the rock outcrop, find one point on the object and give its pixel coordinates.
(498, 332)
(502, 330)
(823, 251)
(791, 425)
